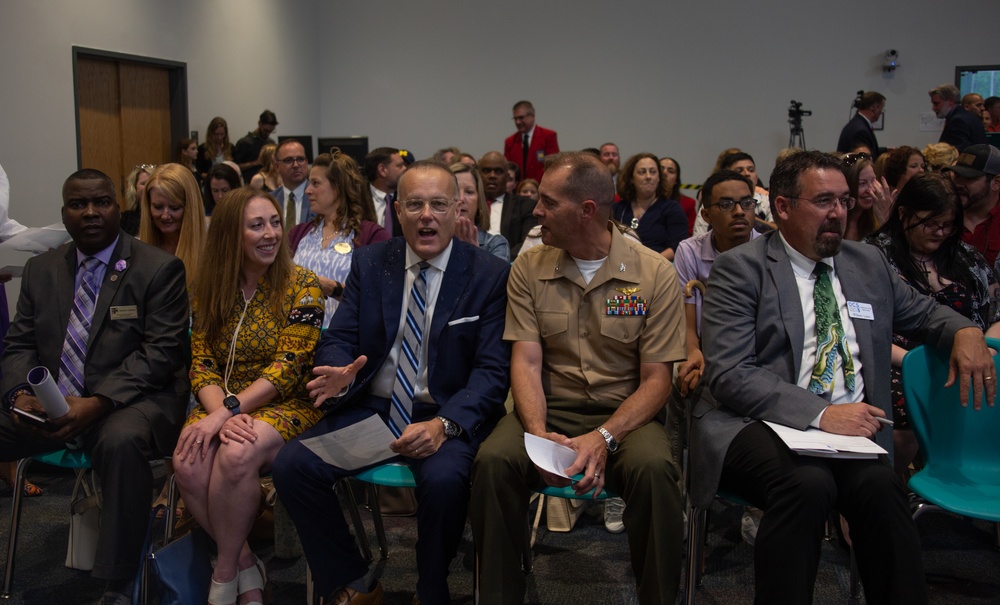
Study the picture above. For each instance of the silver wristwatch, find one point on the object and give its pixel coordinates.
(611, 442)
(450, 428)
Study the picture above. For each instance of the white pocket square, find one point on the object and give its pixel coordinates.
(463, 320)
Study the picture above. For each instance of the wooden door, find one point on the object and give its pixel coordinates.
(123, 115)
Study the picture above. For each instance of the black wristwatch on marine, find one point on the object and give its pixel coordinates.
(232, 404)
(611, 442)
(450, 428)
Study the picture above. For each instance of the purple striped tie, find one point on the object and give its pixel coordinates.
(74, 351)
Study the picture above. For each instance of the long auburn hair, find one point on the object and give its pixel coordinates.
(220, 274)
(356, 203)
(853, 166)
(626, 187)
(177, 183)
(210, 150)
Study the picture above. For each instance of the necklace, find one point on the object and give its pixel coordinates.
(923, 260)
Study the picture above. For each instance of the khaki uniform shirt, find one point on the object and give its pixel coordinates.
(588, 353)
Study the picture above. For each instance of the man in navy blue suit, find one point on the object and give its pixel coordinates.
(858, 131)
(416, 341)
(961, 128)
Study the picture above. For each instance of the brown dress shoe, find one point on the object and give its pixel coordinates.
(349, 596)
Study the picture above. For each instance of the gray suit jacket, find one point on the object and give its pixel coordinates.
(303, 204)
(752, 330)
(137, 360)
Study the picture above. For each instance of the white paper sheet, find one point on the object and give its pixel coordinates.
(356, 446)
(47, 392)
(38, 239)
(549, 455)
(814, 442)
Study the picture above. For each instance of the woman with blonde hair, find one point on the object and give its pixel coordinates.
(216, 148)
(473, 223)
(173, 216)
(874, 198)
(267, 178)
(129, 204)
(257, 318)
(940, 155)
(345, 220)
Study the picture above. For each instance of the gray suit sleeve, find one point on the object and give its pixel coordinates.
(164, 345)
(741, 321)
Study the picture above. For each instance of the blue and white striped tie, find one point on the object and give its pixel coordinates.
(400, 413)
(74, 351)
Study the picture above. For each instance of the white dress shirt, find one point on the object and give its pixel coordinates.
(803, 268)
(385, 378)
(496, 213)
(378, 197)
(300, 194)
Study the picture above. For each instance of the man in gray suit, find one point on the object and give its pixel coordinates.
(293, 166)
(108, 317)
(759, 325)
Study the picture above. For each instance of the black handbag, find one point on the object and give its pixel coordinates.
(177, 573)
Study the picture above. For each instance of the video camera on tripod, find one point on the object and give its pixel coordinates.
(797, 138)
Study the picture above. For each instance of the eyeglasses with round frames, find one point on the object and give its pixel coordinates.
(293, 161)
(747, 204)
(931, 227)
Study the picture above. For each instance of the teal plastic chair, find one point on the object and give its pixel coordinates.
(960, 446)
(398, 474)
(74, 459)
(392, 474)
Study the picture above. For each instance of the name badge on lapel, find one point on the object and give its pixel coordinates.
(125, 312)
(860, 310)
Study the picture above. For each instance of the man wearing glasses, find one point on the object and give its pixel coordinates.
(293, 168)
(530, 144)
(415, 345)
(797, 329)
(728, 207)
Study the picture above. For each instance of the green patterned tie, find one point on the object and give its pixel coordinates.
(830, 337)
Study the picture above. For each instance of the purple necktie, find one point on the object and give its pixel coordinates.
(74, 351)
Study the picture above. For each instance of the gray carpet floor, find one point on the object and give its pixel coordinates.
(585, 566)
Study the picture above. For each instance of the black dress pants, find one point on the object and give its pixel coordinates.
(797, 494)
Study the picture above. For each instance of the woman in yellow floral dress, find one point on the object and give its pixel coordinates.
(257, 318)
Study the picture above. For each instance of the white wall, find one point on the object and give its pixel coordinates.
(685, 79)
(241, 56)
(682, 79)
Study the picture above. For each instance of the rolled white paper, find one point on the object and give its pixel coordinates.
(47, 392)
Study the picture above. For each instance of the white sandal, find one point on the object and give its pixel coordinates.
(252, 578)
(223, 593)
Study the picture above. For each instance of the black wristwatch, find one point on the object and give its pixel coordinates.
(337, 291)
(232, 404)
